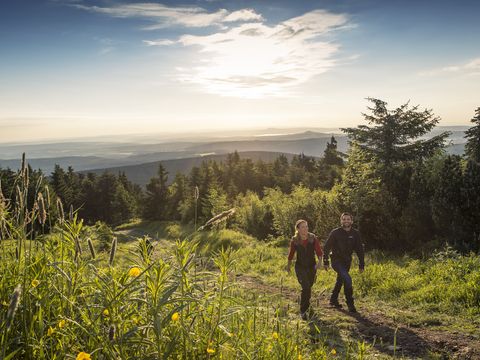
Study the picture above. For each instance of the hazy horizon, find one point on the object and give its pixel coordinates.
(73, 69)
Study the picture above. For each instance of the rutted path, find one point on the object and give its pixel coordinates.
(379, 330)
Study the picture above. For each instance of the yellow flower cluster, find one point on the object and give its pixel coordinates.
(134, 271)
(275, 335)
(83, 356)
(35, 283)
(175, 316)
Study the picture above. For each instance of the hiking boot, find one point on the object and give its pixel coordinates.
(335, 304)
(352, 309)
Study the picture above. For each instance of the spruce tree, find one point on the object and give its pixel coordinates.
(393, 136)
(472, 147)
(156, 206)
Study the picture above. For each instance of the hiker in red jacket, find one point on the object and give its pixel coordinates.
(306, 245)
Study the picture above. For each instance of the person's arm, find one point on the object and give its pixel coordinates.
(360, 252)
(318, 251)
(291, 253)
(326, 250)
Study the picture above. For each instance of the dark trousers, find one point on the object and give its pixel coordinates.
(306, 278)
(343, 278)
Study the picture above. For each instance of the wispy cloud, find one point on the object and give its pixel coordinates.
(244, 56)
(164, 16)
(161, 42)
(256, 60)
(472, 67)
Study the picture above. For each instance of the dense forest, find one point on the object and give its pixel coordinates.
(405, 192)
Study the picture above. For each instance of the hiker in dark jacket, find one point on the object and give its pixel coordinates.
(306, 245)
(342, 242)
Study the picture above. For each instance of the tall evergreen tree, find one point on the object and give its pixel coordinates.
(447, 202)
(177, 193)
(156, 206)
(393, 136)
(106, 188)
(471, 204)
(331, 155)
(472, 147)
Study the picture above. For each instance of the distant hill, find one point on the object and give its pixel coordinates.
(309, 146)
(86, 155)
(142, 173)
(80, 163)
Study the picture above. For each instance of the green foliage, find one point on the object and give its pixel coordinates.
(155, 203)
(319, 209)
(104, 236)
(253, 216)
(331, 155)
(393, 138)
(472, 147)
(446, 282)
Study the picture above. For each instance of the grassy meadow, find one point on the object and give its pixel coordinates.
(163, 291)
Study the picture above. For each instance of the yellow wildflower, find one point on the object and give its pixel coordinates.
(50, 331)
(134, 271)
(83, 356)
(61, 324)
(333, 352)
(175, 316)
(300, 357)
(35, 283)
(210, 351)
(275, 335)
(105, 312)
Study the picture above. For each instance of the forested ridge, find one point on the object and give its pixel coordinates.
(406, 193)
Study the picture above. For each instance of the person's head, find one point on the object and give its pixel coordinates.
(346, 219)
(301, 228)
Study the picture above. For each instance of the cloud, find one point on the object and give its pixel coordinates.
(257, 60)
(160, 42)
(165, 16)
(245, 56)
(243, 15)
(471, 67)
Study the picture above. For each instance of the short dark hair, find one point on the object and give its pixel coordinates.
(346, 214)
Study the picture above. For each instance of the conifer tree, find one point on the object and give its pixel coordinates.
(156, 196)
(393, 136)
(472, 147)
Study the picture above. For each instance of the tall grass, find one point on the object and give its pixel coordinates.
(65, 298)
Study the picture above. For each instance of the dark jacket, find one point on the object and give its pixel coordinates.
(305, 254)
(342, 244)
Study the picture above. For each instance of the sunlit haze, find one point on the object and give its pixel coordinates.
(72, 69)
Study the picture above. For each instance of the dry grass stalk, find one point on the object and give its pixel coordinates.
(111, 332)
(61, 214)
(113, 251)
(47, 197)
(218, 218)
(12, 308)
(92, 249)
(42, 211)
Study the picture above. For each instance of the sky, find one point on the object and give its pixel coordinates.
(73, 68)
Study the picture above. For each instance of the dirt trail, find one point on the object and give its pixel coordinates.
(371, 326)
(379, 330)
